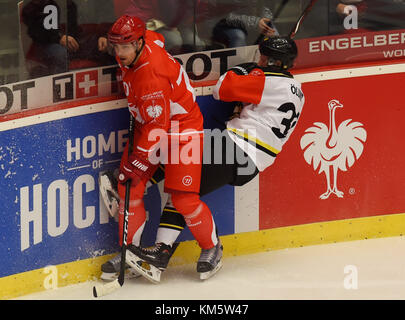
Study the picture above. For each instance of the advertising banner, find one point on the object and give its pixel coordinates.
(351, 48)
(345, 158)
(103, 81)
(51, 211)
(200, 66)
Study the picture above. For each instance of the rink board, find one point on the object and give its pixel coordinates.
(52, 203)
(52, 214)
(371, 167)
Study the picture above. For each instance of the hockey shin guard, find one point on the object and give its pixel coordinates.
(198, 218)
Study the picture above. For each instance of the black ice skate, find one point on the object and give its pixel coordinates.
(150, 262)
(210, 262)
(111, 270)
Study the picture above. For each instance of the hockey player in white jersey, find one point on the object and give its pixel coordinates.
(270, 104)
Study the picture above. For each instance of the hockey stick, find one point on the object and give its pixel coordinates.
(297, 25)
(104, 289)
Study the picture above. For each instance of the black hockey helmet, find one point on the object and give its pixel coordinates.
(279, 48)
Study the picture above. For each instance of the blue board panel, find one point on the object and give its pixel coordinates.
(49, 197)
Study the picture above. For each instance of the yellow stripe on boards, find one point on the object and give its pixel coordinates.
(299, 236)
(43, 279)
(235, 244)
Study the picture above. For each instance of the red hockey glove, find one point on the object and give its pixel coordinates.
(136, 168)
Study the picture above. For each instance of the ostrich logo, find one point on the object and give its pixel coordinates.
(331, 149)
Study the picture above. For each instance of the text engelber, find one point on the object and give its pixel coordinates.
(351, 42)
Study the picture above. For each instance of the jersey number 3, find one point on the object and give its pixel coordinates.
(288, 122)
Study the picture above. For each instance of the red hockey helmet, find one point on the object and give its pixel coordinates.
(126, 29)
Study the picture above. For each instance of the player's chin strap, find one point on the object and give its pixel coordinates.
(138, 52)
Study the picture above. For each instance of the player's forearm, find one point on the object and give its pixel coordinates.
(245, 88)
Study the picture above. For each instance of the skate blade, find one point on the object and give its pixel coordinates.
(209, 274)
(111, 276)
(146, 270)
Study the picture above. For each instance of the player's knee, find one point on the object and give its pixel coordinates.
(186, 202)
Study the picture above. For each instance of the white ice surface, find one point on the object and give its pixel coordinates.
(314, 272)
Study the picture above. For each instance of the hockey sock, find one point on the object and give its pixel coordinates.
(198, 218)
(167, 236)
(136, 213)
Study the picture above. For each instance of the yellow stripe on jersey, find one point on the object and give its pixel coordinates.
(173, 226)
(256, 142)
(170, 210)
(277, 74)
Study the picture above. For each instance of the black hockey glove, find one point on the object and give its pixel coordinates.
(244, 68)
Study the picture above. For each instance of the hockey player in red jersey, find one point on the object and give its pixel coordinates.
(162, 101)
(271, 103)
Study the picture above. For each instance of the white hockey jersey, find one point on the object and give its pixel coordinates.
(273, 101)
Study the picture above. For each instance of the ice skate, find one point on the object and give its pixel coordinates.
(111, 270)
(150, 262)
(210, 262)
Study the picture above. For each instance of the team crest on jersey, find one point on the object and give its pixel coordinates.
(330, 149)
(154, 111)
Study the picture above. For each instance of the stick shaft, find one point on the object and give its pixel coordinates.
(297, 25)
(104, 289)
(121, 276)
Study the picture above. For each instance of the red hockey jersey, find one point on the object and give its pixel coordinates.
(159, 95)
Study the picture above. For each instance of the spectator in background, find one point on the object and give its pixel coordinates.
(54, 47)
(373, 15)
(174, 19)
(233, 22)
(247, 18)
(343, 10)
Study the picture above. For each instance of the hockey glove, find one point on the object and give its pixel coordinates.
(237, 110)
(136, 168)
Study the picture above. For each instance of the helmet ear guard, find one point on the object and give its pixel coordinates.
(279, 48)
